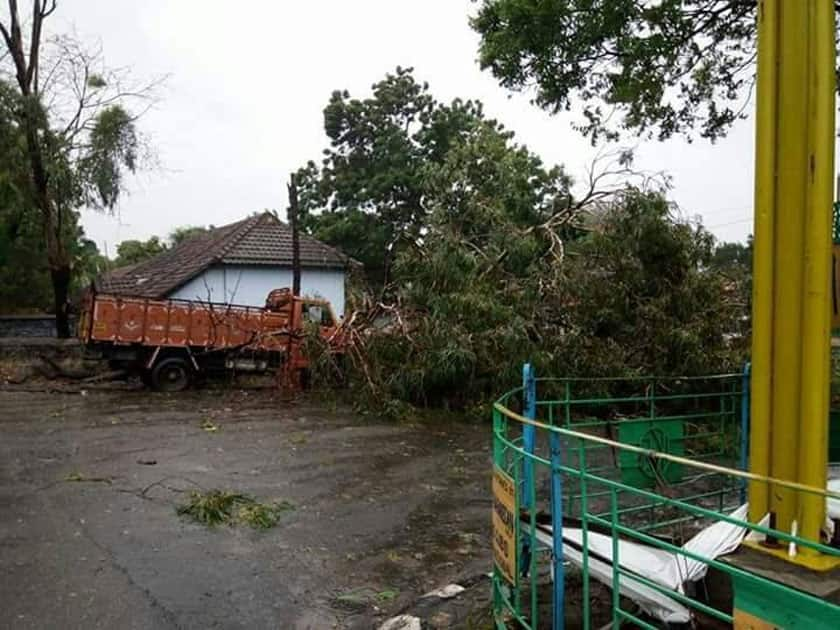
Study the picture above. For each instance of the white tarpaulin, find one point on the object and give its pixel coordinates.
(652, 601)
(670, 570)
(832, 504)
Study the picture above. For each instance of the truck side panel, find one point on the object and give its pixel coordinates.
(179, 324)
(157, 318)
(106, 320)
(132, 319)
(200, 330)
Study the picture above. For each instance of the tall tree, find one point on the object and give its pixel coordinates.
(25, 283)
(659, 68)
(78, 136)
(367, 195)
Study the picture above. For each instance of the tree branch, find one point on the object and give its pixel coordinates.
(6, 37)
(14, 43)
(35, 44)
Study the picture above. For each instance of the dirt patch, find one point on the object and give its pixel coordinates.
(382, 509)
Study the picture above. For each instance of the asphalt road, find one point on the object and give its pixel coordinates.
(382, 512)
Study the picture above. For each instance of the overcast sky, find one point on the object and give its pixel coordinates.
(248, 81)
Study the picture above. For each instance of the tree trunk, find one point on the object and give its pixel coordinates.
(61, 288)
(293, 224)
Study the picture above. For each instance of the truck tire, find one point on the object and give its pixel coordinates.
(171, 375)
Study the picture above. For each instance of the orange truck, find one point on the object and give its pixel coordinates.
(172, 342)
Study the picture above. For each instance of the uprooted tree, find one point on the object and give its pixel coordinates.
(494, 261)
(77, 137)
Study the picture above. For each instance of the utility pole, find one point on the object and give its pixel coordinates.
(290, 374)
(293, 224)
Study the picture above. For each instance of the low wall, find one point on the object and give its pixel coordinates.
(29, 325)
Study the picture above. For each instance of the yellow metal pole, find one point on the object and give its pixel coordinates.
(791, 201)
(792, 261)
(763, 255)
(816, 326)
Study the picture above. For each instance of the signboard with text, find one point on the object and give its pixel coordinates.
(504, 524)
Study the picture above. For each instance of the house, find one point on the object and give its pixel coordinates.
(235, 264)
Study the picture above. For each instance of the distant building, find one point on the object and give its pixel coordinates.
(235, 264)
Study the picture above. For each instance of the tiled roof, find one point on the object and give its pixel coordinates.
(261, 239)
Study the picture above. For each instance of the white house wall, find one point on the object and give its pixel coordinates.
(249, 285)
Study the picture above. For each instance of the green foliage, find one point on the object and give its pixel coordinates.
(492, 262)
(471, 284)
(217, 507)
(74, 141)
(132, 251)
(185, 232)
(733, 256)
(24, 277)
(25, 284)
(369, 196)
(638, 297)
(214, 507)
(112, 150)
(633, 296)
(668, 67)
(262, 515)
(88, 262)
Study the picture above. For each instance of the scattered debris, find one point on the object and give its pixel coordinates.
(357, 598)
(440, 620)
(401, 622)
(261, 515)
(53, 369)
(447, 592)
(364, 596)
(80, 477)
(217, 507)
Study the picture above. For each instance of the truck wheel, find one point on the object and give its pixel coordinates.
(171, 375)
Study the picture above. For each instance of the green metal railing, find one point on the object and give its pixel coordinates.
(650, 461)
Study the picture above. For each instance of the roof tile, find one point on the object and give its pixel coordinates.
(261, 239)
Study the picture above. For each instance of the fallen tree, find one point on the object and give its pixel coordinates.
(491, 261)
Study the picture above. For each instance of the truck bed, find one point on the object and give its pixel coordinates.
(181, 323)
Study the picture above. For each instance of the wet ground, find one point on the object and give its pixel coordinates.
(383, 512)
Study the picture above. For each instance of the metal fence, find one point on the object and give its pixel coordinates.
(591, 475)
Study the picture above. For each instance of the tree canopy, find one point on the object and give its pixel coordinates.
(656, 68)
(370, 194)
(133, 251)
(184, 232)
